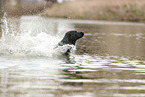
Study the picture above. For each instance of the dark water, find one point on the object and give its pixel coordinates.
(109, 62)
(116, 40)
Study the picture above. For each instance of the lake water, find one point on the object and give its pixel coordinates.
(109, 60)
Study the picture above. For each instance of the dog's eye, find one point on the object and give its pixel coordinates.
(69, 35)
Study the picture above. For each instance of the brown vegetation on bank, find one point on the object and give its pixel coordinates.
(118, 10)
(22, 8)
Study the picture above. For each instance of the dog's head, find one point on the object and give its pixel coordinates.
(72, 36)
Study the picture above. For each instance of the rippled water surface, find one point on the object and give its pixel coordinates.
(109, 60)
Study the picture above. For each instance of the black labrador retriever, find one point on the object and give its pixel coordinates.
(70, 38)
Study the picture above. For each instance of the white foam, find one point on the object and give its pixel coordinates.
(64, 48)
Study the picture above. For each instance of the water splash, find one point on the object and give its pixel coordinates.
(7, 30)
(34, 37)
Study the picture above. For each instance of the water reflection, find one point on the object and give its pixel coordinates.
(89, 76)
(109, 62)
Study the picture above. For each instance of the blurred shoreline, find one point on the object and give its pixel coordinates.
(109, 10)
(112, 10)
(16, 8)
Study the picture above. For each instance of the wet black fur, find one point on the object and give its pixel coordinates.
(70, 38)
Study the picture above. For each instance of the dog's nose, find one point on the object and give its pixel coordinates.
(82, 33)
